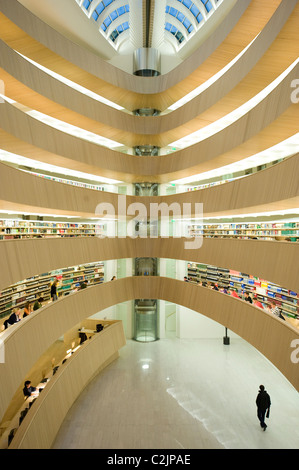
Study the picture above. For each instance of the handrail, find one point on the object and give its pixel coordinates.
(261, 258)
(258, 192)
(245, 125)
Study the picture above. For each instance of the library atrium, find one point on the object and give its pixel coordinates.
(149, 224)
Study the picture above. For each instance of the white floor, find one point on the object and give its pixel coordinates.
(183, 394)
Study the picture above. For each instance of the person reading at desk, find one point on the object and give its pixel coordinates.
(27, 310)
(28, 390)
(38, 303)
(14, 318)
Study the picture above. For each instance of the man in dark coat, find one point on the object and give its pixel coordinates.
(263, 403)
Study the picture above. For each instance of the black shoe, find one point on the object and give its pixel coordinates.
(265, 427)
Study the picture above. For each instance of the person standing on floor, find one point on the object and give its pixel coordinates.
(54, 290)
(263, 403)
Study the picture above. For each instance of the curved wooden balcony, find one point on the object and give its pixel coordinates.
(270, 335)
(264, 259)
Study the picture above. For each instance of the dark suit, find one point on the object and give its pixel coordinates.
(28, 391)
(263, 403)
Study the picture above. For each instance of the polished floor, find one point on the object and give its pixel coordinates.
(183, 394)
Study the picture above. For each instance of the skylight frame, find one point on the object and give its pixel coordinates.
(179, 16)
(126, 8)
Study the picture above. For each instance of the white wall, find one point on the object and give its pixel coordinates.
(191, 324)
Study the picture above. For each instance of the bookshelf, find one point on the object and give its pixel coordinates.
(15, 229)
(39, 286)
(261, 231)
(287, 300)
(59, 179)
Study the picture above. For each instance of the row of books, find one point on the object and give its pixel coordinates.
(287, 299)
(39, 286)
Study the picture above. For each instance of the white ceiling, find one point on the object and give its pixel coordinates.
(71, 19)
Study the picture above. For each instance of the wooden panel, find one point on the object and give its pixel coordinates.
(43, 421)
(271, 189)
(67, 103)
(150, 130)
(259, 13)
(38, 134)
(261, 258)
(259, 328)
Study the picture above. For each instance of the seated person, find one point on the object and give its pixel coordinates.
(247, 297)
(275, 310)
(38, 303)
(233, 293)
(14, 318)
(27, 309)
(257, 303)
(28, 390)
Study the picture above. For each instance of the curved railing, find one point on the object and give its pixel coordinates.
(94, 65)
(273, 337)
(63, 95)
(259, 192)
(260, 258)
(248, 125)
(67, 384)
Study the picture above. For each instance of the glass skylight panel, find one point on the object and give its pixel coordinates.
(179, 36)
(173, 11)
(96, 13)
(194, 10)
(187, 3)
(86, 4)
(107, 21)
(121, 10)
(180, 17)
(207, 4)
(174, 31)
(199, 18)
(100, 8)
(120, 29)
(187, 24)
(112, 17)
